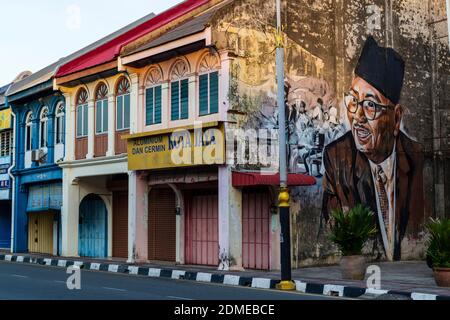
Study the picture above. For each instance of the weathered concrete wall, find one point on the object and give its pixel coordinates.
(323, 43)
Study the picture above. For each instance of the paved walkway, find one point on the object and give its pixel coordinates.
(409, 276)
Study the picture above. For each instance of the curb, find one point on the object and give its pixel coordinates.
(226, 279)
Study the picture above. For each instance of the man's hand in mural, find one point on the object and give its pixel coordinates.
(376, 164)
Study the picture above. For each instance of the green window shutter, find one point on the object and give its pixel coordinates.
(214, 92)
(105, 116)
(149, 107)
(98, 117)
(85, 120)
(184, 99)
(119, 113)
(158, 102)
(175, 100)
(79, 121)
(203, 94)
(126, 112)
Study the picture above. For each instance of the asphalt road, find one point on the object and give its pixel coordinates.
(34, 282)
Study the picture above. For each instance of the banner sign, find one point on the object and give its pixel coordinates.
(182, 147)
(5, 119)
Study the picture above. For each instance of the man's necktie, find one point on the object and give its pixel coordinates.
(382, 195)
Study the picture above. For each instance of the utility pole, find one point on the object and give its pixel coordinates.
(286, 282)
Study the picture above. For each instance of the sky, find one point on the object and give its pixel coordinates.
(37, 33)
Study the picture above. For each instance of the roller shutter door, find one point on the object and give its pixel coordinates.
(255, 230)
(202, 234)
(120, 224)
(162, 225)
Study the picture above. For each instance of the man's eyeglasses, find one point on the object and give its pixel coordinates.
(372, 110)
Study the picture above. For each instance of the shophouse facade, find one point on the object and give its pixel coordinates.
(98, 220)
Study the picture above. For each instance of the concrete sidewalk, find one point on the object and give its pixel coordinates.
(406, 277)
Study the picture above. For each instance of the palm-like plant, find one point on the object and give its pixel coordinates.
(439, 243)
(350, 230)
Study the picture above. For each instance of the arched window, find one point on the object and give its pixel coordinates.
(59, 121)
(101, 109)
(209, 85)
(153, 99)
(82, 114)
(123, 105)
(179, 91)
(43, 128)
(28, 127)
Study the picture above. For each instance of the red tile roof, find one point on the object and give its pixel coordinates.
(110, 50)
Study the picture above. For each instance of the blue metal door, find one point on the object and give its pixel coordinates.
(92, 230)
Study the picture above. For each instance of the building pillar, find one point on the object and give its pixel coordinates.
(69, 215)
(134, 96)
(69, 132)
(35, 141)
(20, 218)
(230, 222)
(137, 218)
(91, 129)
(51, 138)
(111, 125)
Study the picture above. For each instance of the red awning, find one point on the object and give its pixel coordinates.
(247, 179)
(110, 50)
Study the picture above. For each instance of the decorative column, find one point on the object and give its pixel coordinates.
(111, 125)
(193, 113)
(69, 132)
(51, 137)
(91, 129)
(134, 96)
(230, 222)
(69, 215)
(35, 135)
(137, 217)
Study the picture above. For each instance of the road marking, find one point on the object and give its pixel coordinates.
(59, 281)
(114, 289)
(179, 298)
(18, 276)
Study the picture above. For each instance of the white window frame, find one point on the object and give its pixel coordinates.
(29, 131)
(59, 123)
(208, 72)
(123, 112)
(43, 128)
(179, 98)
(102, 115)
(153, 86)
(6, 143)
(84, 122)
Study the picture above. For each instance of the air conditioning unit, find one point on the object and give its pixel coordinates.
(37, 155)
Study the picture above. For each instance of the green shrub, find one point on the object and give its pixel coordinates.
(439, 243)
(351, 230)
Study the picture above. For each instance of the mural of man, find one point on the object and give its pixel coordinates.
(375, 163)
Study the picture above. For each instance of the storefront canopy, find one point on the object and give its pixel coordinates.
(248, 179)
(44, 197)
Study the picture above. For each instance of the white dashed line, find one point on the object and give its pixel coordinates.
(179, 298)
(114, 289)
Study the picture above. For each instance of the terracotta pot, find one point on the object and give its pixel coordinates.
(353, 267)
(442, 276)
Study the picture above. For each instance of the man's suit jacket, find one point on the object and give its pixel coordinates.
(348, 181)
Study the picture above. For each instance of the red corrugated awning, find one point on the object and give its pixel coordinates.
(110, 50)
(248, 179)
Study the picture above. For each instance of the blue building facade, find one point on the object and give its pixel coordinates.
(37, 179)
(6, 141)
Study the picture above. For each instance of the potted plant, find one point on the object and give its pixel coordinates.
(438, 252)
(350, 231)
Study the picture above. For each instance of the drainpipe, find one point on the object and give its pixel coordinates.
(12, 186)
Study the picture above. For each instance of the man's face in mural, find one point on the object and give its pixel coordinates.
(373, 135)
